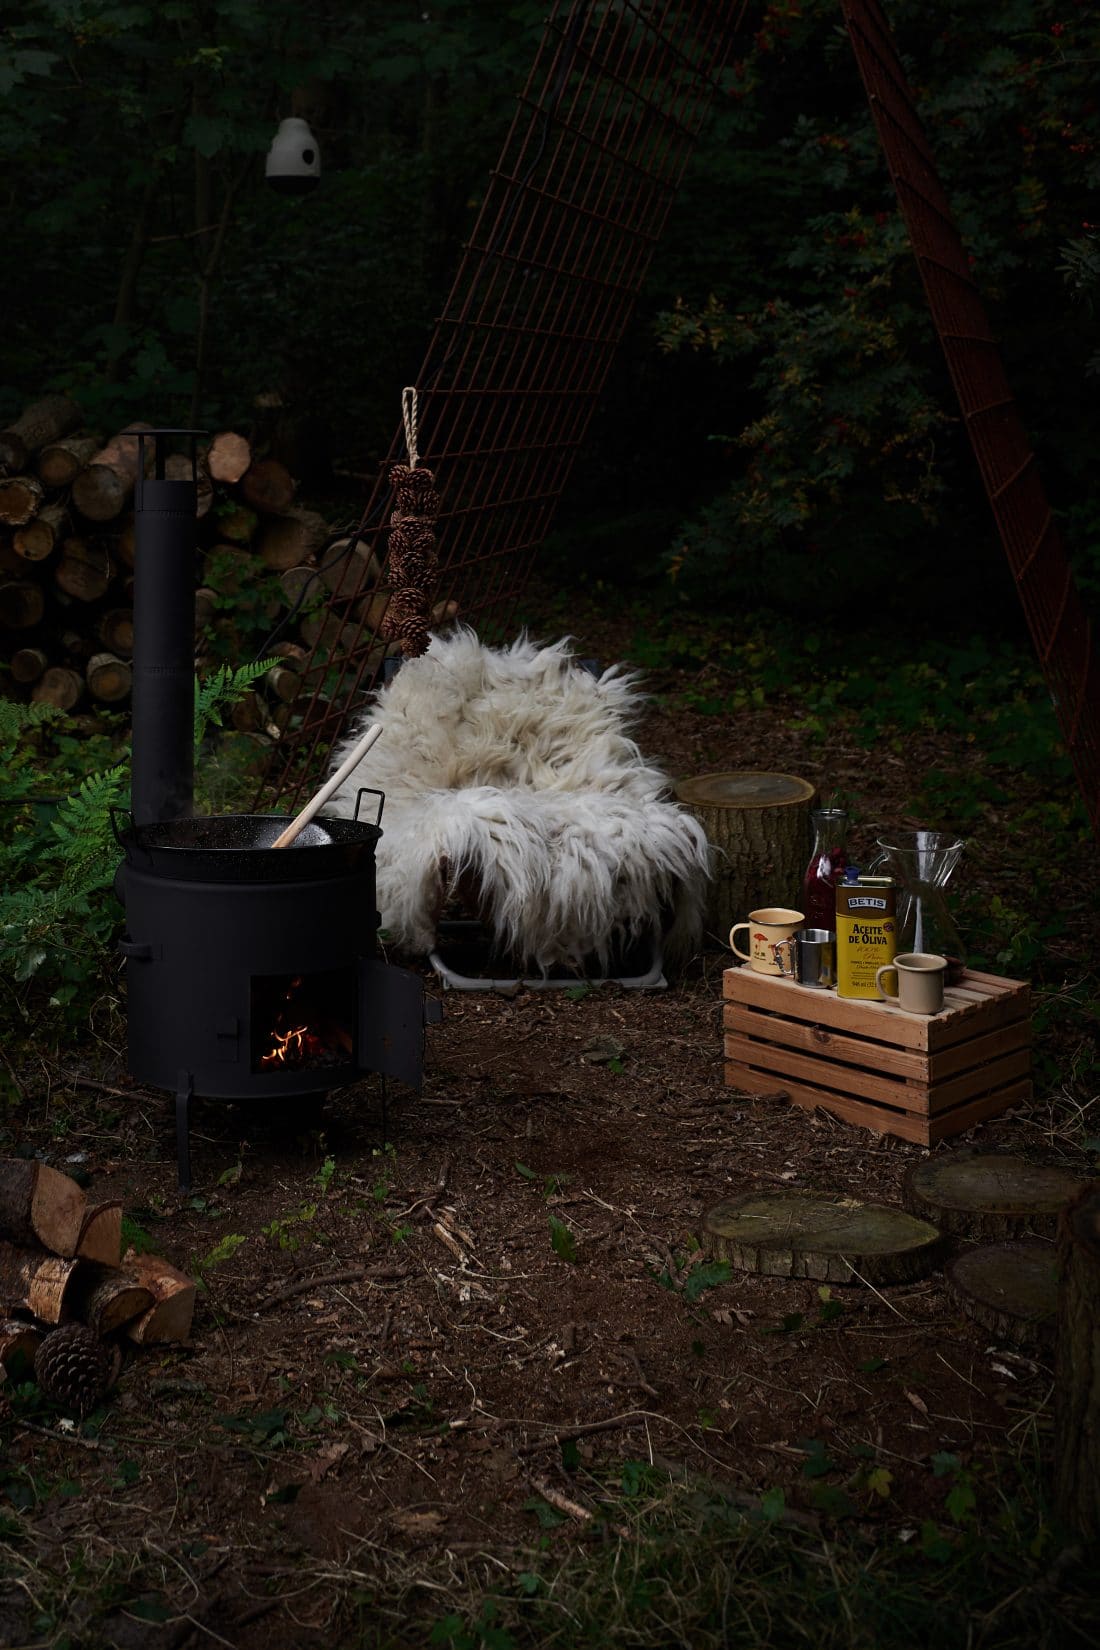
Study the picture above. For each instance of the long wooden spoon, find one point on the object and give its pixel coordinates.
(317, 801)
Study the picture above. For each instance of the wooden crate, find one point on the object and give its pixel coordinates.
(920, 1077)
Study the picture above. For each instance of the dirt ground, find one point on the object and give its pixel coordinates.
(445, 1340)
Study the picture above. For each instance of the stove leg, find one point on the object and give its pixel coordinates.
(184, 1091)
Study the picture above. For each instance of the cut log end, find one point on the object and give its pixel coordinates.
(796, 1234)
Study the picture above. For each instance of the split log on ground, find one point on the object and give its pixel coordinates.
(758, 825)
(804, 1234)
(59, 463)
(40, 1205)
(285, 541)
(105, 1299)
(268, 487)
(238, 525)
(109, 679)
(173, 1292)
(20, 499)
(36, 539)
(177, 467)
(22, 605)
(248, 714)
(37, 1281)
(989, 1194)
(1077, 1369)
(1011, 1289)
(228, 457)
(102, 489)
(101, 1234)
(43, 421)
(18, 1344)
(115, 629)
(294, 654)
(27, 664)
(348, 572)
(84, 571)
(60, 686)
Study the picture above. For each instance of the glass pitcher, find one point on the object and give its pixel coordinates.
(921, 862)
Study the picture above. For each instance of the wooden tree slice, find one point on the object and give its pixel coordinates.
(109, 679)
(84, 571)
(27, 664)
(115, 630)
(34, 1280)
(35, 540)
(228, 457)
(106, 1299)
(1011, 1288)
(42, 421)
(40, 1205)
(22, 605)
(1077, 1372)
(268, 487)
(803, 1234)
(101, 1234)
(989, 1194)
(286, 541)
(59, 463)
(19, 499)
(103, 488)
(58, 686)
(759, 826)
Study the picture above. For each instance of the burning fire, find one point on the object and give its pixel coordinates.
(288, 1048)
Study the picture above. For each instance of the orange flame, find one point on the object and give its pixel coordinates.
(288, 1047)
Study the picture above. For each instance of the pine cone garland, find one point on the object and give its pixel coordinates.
(73, 1366)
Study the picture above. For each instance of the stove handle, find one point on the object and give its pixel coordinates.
(367, 790)
(126, 814)
(138, 950)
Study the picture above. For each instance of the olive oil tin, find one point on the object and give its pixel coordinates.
(866, 934)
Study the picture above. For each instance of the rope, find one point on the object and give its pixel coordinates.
(408, 417)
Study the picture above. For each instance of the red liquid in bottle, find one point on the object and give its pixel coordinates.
(825, 870)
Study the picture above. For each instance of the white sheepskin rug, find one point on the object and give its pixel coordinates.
(510, 772)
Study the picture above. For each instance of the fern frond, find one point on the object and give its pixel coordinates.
(15, 719)
(222, 688)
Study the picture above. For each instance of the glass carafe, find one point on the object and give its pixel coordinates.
(921, 862)
(826, 867)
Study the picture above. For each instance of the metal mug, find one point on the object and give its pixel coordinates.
(809, 956)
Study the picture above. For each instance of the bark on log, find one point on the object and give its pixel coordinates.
(759, 827)
(106, 1299)
(18, 1344)
(37, 1281)
(295, 580)
(84, 571)
(59, 463)
(268, 487)
(109, 679)
(287, 540)
(797, 1234)
(116, 630)
(20, 499)
(293, 652)
(371, 611)
(173, 1292)
(1009, 1288)
(228, 457)
(206, 607)
(58, 686)
(22, 605)
(100, 1237)
(40, 1205)
(102, 489)
(45, 420)
(989, 1194)
(284, 683)
(124, 542)
(248, 714)
(35, 540)
(1077, 1370)
(27, 665)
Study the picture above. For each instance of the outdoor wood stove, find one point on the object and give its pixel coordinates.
(252, 971)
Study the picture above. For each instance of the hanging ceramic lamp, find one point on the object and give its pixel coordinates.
(293, 164)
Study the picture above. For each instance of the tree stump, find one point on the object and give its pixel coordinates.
(804, 1234)
(1077, 1370)
(1008, 1288)
(989, 1194)
(759, 826)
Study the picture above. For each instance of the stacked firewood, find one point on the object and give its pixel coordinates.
(69, 1298)
(67, 557)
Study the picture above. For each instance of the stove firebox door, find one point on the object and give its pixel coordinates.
(392, 1015)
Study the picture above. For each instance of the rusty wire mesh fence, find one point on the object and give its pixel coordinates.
(1060, 628)
(547, 283)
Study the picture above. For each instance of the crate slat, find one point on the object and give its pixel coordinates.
(873, 1064)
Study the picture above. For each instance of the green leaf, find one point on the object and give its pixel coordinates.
(880, 1482)
(831, 1499)
(549, 1517)
(961, 1500)
(943, 1463)
(222, 1250)
(562, 1241)
(528, 1174)
(773, 1504)
(707, 1276)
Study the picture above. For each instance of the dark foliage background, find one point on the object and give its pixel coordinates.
(779, 429)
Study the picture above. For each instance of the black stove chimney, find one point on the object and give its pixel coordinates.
(163, 773)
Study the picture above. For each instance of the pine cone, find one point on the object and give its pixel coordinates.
(414, 491)
(73, 1366)
(412, 569)
(413, 636)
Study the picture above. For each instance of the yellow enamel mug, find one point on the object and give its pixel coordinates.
(768, 928)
